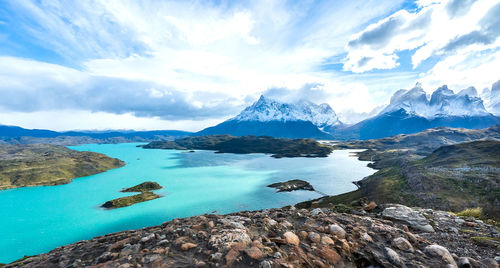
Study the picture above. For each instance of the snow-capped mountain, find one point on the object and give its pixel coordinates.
(266, 109)
(270, 117)
(443, 102)
(412, 111)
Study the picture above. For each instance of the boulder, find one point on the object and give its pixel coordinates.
(411, 217)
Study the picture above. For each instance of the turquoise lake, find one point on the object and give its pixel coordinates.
(35, 220)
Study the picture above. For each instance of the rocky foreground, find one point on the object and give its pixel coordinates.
(386, 236)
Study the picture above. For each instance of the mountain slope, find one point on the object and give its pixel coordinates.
(268, 117)
(442, 168)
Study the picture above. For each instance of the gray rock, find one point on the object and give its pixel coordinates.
(336, 230)
(490, 263)
(464, 262)
(393, 256)
(265, 264)
(147, 238)
(409, 216)
(440, 251)
(316, 211)
(151, 258)
(402, 244)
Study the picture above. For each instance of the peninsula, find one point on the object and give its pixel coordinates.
(278, 147)
(40, 164)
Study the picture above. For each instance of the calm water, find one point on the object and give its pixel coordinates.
(37, 219)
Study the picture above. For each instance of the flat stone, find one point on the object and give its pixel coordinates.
(412, 217)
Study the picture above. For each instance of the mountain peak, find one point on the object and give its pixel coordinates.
(266, 109)
(443, 102)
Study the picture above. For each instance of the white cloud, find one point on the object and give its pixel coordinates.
(463, 70)
(437, 28)
(164, 58)
(88, 120)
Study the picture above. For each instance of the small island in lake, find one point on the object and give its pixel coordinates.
(278, 147)
(144, 189)
(292, 185)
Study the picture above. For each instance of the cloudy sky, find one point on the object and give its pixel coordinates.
(101, 64)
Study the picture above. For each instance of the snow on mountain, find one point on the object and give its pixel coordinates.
(494, 94)
(266, 109)
(413, 101)
(443, 102)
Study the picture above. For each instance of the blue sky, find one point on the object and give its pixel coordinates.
(190, 64)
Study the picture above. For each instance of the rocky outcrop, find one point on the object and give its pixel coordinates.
(284, 238)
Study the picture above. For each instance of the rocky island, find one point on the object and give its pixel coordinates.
(278, 147)
(144, 189)
(39, 164)
(292, 185)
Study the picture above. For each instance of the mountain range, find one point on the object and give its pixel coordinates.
(409, 111)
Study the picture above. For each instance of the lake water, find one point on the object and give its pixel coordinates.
(34, 220)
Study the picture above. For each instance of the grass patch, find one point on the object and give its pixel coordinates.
(471, 212)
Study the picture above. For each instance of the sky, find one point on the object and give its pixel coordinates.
(101, 64)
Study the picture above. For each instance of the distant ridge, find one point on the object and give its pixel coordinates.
(15, 134)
